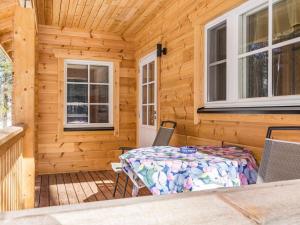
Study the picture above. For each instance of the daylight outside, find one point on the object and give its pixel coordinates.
(6, 81)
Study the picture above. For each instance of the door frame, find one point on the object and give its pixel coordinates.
(149, 57)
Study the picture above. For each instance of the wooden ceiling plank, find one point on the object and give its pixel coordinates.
(71, 13)
(41, 7)
(101, 13)
(6, 37)
(90, 4)
(127, 13)
(48, 12)
(78, 13)
(114, 18)
(63, 12)
(6, 25)
(6, 4)
(93, 16)
(123, 17)
(9, 12)
(56, 12)
(108, 14)
(146, 16)
(138, 9)
(6, 12)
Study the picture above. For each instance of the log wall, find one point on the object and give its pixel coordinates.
(60, 151)
(175, 27)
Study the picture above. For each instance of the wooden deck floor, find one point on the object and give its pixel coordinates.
(72, 188)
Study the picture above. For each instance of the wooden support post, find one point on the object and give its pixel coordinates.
(24, 94)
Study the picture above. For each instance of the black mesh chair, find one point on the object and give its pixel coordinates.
(280, 159)
(162, 138)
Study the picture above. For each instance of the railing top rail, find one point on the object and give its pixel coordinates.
(9, 136)
(258, 204)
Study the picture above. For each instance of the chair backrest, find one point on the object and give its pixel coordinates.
(280, 160)
(164, 134)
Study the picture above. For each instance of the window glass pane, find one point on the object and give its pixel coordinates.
(217, 83)
(144, 74)
(77, 73)
(99, 114)
(217, 43)
(286, 70)
(144, 97)
(151, 93)
(151, 71)
(254, 75)
(286, 20)
(151, 115)
(99, 94)
(254, 33)
(144, 115)
(99, 74)
(77, 93)
(77, 114)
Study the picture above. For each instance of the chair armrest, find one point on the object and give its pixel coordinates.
(123, 149)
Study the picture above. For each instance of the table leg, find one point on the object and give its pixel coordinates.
(135, 191)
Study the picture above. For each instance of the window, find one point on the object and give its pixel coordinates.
(89, 94)
(253, 55)
(217, 63)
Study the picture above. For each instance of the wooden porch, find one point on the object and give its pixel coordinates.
(55, 160)
(73, 188)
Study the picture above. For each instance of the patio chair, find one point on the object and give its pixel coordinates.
(280, 159)
(162, 138)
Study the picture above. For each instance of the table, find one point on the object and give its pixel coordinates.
(164, 170)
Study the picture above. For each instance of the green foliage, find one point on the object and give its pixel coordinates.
(6, 82)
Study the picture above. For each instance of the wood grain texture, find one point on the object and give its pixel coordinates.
(60, 151)
(24, 93)
(11, 160)
(72, 188)
(122, 17)
(180, 28)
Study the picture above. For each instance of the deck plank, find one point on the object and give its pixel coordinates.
(44, 196)
(78, 189)
(71, 188)
(109, 183)
(37, 191)
(121, 183)
(86, 188)
(101, 186)
(53, 192)
(97, 192)
(62, 193)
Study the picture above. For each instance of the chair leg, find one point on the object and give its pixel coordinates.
(116, 185)
(125, 187)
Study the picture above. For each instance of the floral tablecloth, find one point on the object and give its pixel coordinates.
(164, 170)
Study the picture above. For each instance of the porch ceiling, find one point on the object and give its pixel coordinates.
(123, 17)
(7, 8)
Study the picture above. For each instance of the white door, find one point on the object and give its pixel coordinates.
(148, 100)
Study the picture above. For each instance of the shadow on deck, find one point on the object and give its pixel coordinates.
(72, 188)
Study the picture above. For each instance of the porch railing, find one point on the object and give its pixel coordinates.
(11, 157)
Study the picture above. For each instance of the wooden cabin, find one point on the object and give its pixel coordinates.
(91, 76)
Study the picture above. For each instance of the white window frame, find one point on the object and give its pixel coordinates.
(110, 90)
(146, 61)
(232, 19)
